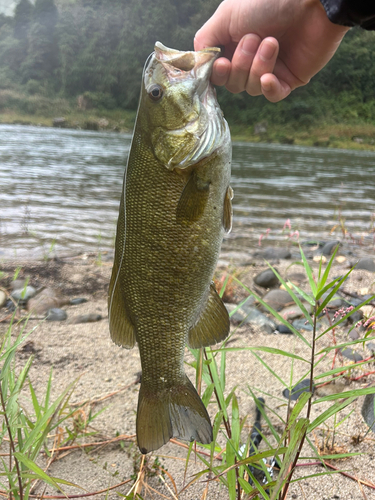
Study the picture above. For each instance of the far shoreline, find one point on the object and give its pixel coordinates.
(360, 137)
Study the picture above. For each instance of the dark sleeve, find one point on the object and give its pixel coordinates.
(351, 12)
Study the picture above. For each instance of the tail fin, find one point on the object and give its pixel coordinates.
(176, 411)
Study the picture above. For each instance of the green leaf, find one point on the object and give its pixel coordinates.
(347, 394)
(309, 273)
(297, 436)
(332, 410)
(216, 381)
(322, 281)
(207, 394)
(54, 482)
(332, 293)
(272, 350)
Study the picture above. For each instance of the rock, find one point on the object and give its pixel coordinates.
(284, 329)
(277, 299)
(336, 303)
(47, 299)
(78, 300)
(318, 258)
(370, 346)
(298, 389)
(368, 411)
(24, 293)
(59, 122)
(260, 128)
(297, 278)
(56, 314)
(274, 253)
(366, 263)
(340, 259)
(18, 284)
(266, 279)
(302, 324)
(330, 389)
(247, 314)
(3, 298)
(354, 334)
(84, 318)
(293, 311)
(329, 247)
(356, 316)
(351, 354)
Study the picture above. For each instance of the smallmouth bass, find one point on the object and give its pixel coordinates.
(175, 207)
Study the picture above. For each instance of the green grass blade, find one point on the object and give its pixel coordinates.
(347, 394)
(296, 438)
(323, 280)
(335, 408)
(216, 381)
(309, 273)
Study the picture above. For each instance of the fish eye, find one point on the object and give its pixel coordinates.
(155, 92)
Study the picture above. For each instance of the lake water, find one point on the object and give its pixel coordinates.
(60, 191)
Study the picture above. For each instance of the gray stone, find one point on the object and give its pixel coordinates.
(368, 411)
(302, 324)
(78, 300)
(3, 298)
(84, 318)
(293, 311)
(266, 279)
(284, 329)
(354, 334)
(297, 278)
(277, 299)
(247, 314)
(273, 253)
(370, 346)
(56, 314)
(17, 284)
(49, 298)
(356, 316)
(351, 354)
(329, 247)
(24, 294)
(366, 263)
(298, 389)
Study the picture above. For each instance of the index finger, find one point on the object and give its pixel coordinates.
(214, 32)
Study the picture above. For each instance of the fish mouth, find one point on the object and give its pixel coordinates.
(178, 63)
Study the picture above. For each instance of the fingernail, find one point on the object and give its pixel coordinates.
(267, 51)
(266, 86)
(221, 69)
(250, 45)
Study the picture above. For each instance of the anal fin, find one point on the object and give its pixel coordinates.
(121, 328)
(213, 324)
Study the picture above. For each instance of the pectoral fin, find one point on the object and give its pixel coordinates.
(213, 324)
(193, 200)
(228, 210)
(121, 328)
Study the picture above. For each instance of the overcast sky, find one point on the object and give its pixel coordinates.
(7, 7)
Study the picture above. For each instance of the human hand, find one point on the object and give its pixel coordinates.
(271, 46)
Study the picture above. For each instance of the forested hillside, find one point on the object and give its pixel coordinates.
(65, 48)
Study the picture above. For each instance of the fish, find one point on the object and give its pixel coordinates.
(175, 207)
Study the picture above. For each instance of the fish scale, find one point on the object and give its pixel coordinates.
(170, 228)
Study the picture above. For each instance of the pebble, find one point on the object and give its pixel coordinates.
(297, 278)
(356, 316)
(284, 329)
(318, 258)
(329, 247)
(247, 314)
(340, 259)
(3, 298)
(24, 293)
(368, 411)
(266, 279)
(17, 284)
(274, 253)
(48, 298)
(56, 314)
(303, 324)
(330, 389)
(366, 263)
(351, 354)
(293, 311)
(277, 299)
(78, 300)
(354, 334)
(298, 389)
(84, 318)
